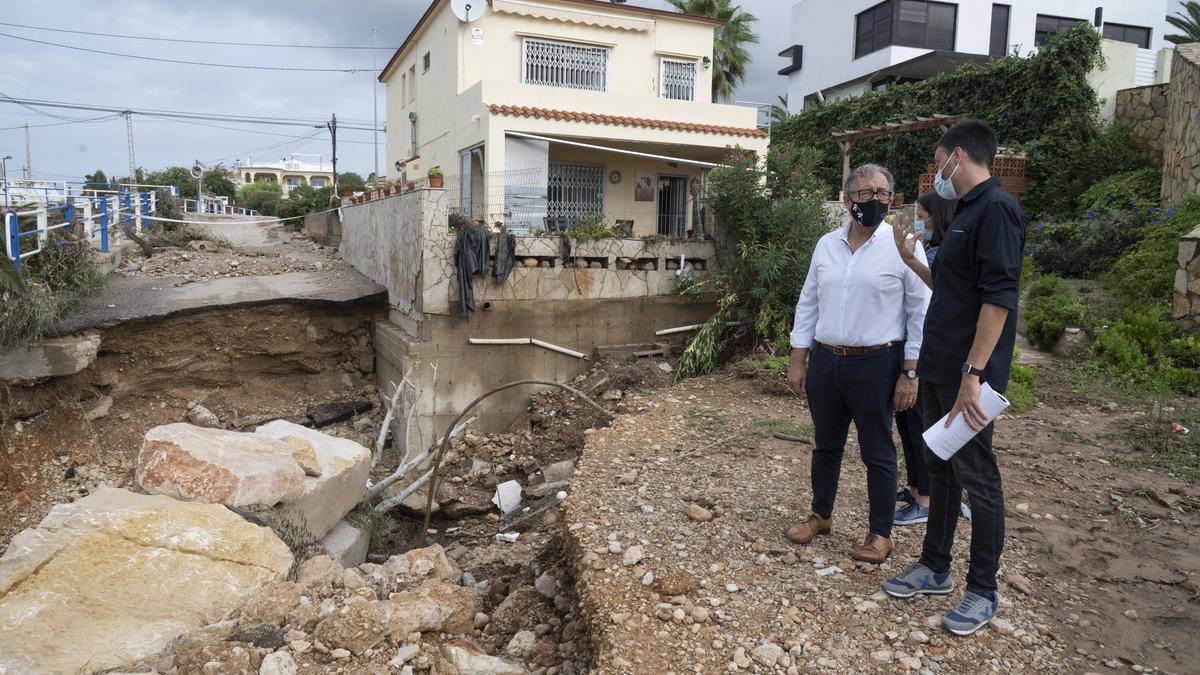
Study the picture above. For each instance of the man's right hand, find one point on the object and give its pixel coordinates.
(797, 372)
(906, 238)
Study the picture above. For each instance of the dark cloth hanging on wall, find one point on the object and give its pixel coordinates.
(471, 259)
(506, 256)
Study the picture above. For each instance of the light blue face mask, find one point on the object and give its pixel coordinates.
(921, 231)
(942, 185)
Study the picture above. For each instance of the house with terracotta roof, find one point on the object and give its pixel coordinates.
(545, 113)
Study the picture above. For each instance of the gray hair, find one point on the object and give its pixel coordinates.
(864, 171)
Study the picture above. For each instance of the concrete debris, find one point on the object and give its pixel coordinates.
(508, 496)
(101, 409)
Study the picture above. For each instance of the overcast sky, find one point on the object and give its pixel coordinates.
(38, 71)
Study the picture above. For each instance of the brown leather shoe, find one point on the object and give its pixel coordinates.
(875, 549)
(814, 525)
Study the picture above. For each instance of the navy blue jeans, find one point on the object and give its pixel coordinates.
(974, 469)
(859, 389)
(910, 426)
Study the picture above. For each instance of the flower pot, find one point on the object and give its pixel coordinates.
(387, 191)
(435, 181)
(409, 186)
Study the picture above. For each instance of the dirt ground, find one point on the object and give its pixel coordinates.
(1098, 573)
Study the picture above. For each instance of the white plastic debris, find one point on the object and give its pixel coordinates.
(510, 537)
(508, 496)
(561, 495)
(826, 571)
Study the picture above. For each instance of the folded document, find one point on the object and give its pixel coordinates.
(945, 441)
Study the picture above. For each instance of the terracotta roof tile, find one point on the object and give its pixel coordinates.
(619, 120)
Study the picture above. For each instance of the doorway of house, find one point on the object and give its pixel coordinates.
(672, 206)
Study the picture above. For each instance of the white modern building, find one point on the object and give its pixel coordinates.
(289, 172)
(848, 47)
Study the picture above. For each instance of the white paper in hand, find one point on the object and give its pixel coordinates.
(945, 441)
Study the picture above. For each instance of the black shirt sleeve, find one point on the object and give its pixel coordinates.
(998, 253)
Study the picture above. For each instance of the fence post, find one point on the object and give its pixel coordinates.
(87, 218)
(12, 239)
(103, 204)
(137, 211)
(43, 222)
(154, 201)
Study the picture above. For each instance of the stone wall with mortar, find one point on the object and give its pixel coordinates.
(1185, 306)
(1181, 150)
(1143, 110)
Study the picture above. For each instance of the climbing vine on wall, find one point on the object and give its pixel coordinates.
(1023, 99)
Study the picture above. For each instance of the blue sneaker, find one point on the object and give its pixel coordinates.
(918, 579)
(974, 611)
(904, 496)
(913, 514)
(964, 510)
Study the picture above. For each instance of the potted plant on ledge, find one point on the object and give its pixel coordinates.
(435, 177)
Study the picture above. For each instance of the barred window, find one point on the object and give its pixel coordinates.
(677, 79)
(574, 191)
(564, 64)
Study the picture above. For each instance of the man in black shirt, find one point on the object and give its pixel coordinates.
(969, 333)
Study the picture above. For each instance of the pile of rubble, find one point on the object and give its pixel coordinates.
(203, 259)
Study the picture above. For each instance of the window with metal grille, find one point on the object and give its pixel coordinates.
(564, 64)
(574, 191)
(677, 79)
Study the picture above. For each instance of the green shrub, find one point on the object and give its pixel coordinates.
(1063, 163)
(1135, 343)
(1132, 189)
(1051, 306)
(1084, 247)
(1145, 274)
(1022, 385)
(57, 281)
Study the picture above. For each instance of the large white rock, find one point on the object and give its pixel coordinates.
(112, 578)
(215, 466)
(345, 466)
(52, 357)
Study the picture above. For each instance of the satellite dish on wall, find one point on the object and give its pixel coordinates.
(467, 10)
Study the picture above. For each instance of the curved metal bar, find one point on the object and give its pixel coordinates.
(445, 444)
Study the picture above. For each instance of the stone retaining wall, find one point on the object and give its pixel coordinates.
(1181, 152)
(1186, 298)
(1143, 110)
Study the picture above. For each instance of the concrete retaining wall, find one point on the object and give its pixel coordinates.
(384, 240)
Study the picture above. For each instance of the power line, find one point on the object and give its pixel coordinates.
(92, 120)
(26, 102)
(194, 42)
(191, 63)
(211, 117)
(157, 118)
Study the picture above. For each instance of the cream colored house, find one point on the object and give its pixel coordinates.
(289, 172)
(541, 113)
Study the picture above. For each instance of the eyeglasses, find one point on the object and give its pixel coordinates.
(864, 195)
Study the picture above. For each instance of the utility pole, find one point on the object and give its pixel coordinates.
(129, 137)
(375, 97)
(28, 157)
(332, 126)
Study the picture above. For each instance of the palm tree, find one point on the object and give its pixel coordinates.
(729, 41)
(779, 111)
(1187, 21)
(9, 279)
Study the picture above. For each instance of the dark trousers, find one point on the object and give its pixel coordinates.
(974, 469)
(842, 389)
(910, 425)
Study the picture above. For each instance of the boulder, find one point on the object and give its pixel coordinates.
(305, 454)
(113, 578)
(215, 466)
(347, 544)
(324, 499)
(466, 660)
(52, 357)
(434, 606)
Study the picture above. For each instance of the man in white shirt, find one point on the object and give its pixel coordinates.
(860, 318)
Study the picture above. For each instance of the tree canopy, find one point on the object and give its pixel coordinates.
(1186, 20)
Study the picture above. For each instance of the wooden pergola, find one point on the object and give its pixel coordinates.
(847, 139)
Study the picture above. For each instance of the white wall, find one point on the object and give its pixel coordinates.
(826, 31)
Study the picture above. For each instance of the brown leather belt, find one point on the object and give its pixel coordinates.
(856, 351)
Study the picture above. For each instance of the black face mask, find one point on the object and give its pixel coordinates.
(870, 213)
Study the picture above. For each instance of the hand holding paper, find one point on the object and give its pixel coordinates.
(945, 441)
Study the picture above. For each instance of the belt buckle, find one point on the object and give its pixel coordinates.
(841, 351)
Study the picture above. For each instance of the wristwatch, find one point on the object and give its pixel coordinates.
(911, 373)
(968, 369)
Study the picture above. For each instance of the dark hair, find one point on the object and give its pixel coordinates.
(941, 212)
(974, 137)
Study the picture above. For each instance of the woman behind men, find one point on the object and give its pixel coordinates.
(935, 214)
